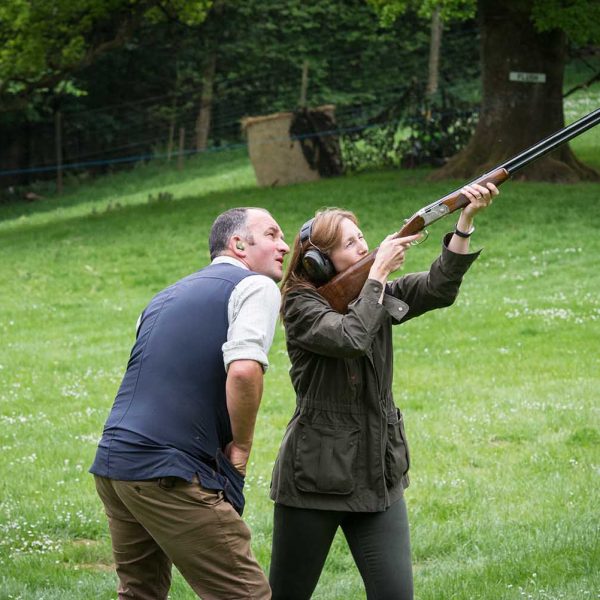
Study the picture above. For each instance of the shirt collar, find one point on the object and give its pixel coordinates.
(219, 260)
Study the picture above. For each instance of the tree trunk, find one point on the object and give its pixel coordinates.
(434, 52)
(303, 85)
(204, 114)
(517, 112)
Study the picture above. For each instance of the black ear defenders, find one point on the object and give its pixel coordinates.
(319, 267)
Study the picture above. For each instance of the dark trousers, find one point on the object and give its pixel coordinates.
(379, 542)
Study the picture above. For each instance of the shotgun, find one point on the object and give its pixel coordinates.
(346, 285)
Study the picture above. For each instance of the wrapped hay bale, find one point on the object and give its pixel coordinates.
(279, 158)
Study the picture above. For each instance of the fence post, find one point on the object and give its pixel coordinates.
(58, 150)
(170, 143)
(181, 148)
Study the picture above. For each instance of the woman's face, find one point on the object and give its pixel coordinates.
(351, 247)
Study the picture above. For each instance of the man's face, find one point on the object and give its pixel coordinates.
(264, 245)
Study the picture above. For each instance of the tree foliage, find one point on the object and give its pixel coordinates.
(579, 19)
(450, 10)
(42, 42)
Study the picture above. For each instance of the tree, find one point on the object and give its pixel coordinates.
(42, 43)
(523, 54)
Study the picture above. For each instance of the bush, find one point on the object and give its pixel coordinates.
(436, 135)
(413, 132)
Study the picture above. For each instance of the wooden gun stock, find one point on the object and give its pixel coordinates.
(346, 286)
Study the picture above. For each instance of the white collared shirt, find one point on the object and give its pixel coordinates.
(252, 311)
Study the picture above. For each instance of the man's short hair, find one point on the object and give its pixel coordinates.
(231, 222)
(226, 224)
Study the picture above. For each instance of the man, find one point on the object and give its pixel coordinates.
(171, 462)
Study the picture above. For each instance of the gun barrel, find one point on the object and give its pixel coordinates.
(552, 142)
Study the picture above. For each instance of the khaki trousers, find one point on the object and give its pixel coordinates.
(154, 524)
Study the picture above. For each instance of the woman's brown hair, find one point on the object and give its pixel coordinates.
(325, 236)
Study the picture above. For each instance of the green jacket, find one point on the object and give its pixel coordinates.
(345, 447)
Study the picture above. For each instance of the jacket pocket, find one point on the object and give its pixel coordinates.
(324, 459)
(397, 456)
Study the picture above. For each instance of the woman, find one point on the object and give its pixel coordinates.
(344, 459)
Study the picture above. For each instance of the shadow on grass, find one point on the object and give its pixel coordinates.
(143, 178)
(110, 223)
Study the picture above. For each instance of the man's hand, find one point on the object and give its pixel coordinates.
(238, 457)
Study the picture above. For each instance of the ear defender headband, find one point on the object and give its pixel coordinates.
(317, 264)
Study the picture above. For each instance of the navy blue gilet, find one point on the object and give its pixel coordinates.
(170, 417)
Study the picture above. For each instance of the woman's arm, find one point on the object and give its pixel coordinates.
(480, 197)
(314, 326)
(438, 287)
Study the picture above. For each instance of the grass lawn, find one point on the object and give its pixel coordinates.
(500, 392)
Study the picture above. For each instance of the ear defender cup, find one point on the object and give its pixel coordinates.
(317, 264)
